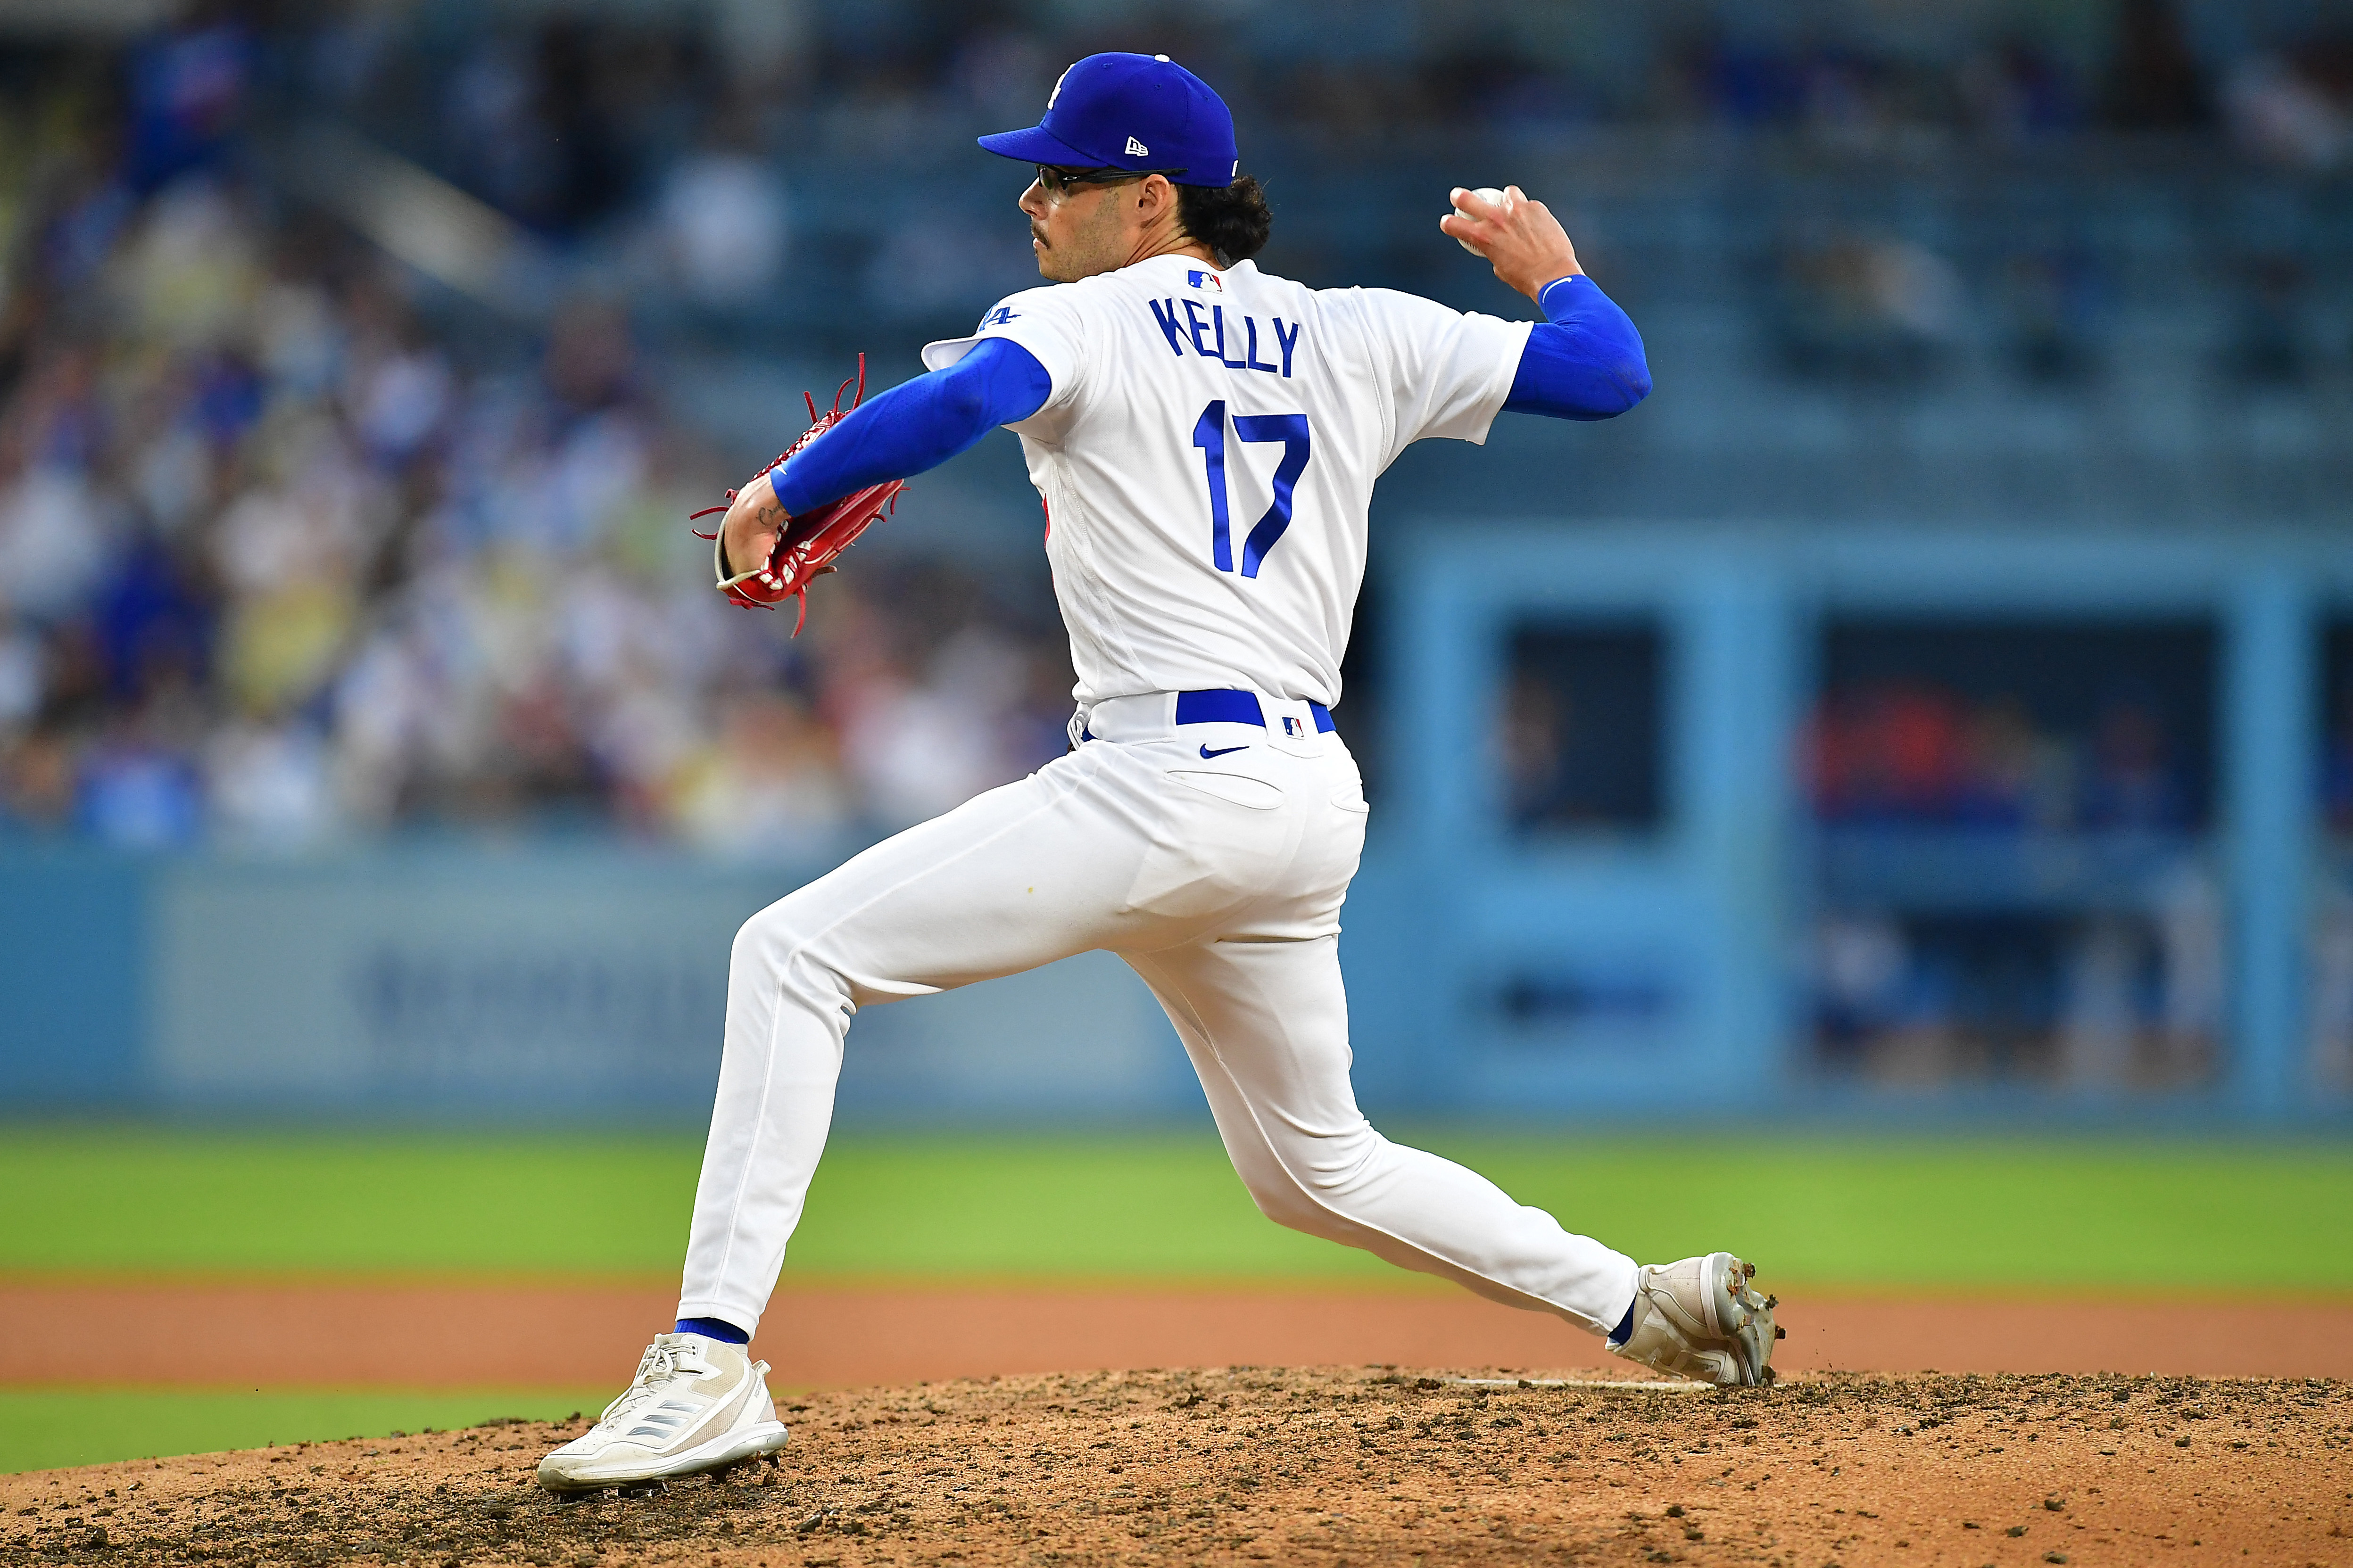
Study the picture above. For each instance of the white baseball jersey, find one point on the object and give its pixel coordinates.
(1207, 457)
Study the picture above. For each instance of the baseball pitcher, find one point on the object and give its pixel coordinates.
(1206, 437)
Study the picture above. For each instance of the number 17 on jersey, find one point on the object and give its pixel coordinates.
(1209, 436)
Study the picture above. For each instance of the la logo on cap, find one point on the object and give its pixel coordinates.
(1137, 149)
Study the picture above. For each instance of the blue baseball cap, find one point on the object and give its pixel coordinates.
(1141, 112)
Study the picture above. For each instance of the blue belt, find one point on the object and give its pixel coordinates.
(1236, 708)
(1226, 706)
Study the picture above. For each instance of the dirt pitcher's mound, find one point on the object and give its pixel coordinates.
(1319, 1468)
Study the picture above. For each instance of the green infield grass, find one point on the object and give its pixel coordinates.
(49, 1428)
(1974, 1213)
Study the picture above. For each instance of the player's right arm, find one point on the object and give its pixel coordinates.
(1525, 242)
(1585, 361)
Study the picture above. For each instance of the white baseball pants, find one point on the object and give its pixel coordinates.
(1219, 880)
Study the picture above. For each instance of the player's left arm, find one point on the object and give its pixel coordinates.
(914, 426)
(1585, 359)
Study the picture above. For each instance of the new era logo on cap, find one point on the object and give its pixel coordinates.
(1137, 149)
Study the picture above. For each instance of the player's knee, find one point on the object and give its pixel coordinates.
(1315, 1180)
(757, 941)
(1299, 1200)
(1283, 1201)
(775, 942)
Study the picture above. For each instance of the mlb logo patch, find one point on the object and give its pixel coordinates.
(1293, 728)
(1208, 280)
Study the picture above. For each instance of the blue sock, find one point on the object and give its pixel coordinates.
(1618, 1336)
(718, 1329)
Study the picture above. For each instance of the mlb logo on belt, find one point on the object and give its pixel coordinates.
(1293, 728)
(1208, 280)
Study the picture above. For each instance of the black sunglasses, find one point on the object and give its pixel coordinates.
(1058, 182)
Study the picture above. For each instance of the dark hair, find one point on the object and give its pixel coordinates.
(1232, 220)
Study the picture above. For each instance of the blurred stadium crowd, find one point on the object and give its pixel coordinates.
(281, 561)
(279, 569)
(297, 543)
(1913, 754)
(2124, 987)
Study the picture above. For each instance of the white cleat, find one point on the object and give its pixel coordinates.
(1701, 1319)
(696, 1404)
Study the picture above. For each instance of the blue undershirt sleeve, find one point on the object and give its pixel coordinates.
(1584, 361)
(915, 425)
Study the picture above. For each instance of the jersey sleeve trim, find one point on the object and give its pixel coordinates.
(1498, 385)
(1046, 323)
(945, 351)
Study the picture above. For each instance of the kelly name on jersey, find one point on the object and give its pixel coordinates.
(1181, 322)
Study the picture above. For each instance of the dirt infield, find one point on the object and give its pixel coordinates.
(346, 1335)
(1323, 1467)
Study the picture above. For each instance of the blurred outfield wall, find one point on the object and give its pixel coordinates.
(544, 981)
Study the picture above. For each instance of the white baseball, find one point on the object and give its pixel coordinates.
(1485, 194)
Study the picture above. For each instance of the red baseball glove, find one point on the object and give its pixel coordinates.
(809, 541)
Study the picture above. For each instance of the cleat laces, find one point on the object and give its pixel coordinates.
(659, 1367)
